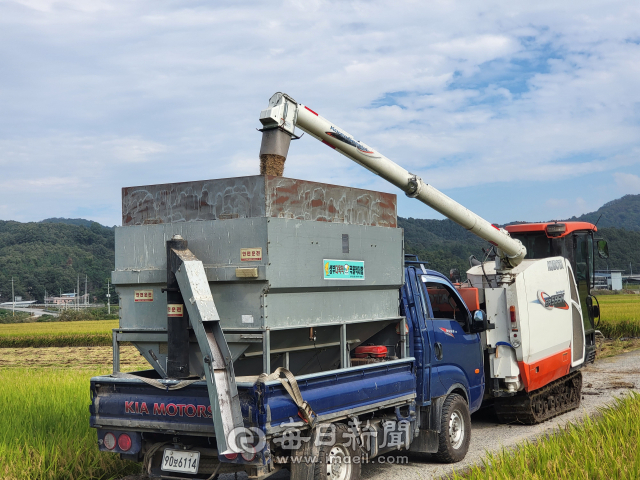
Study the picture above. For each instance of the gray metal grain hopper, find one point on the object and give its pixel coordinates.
(300, 272)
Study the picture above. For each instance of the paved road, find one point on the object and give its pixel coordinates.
(603, 382)
(36, 311)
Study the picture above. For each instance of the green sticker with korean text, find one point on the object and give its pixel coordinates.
(343, 270)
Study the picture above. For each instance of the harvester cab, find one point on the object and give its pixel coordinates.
(576, 242)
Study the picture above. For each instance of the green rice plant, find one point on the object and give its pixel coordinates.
(57, 334)
(606, 446)
(44, 428)
(620, 316)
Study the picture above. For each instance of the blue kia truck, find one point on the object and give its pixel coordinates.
(285, 328)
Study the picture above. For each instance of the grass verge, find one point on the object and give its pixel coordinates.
(44, 428)
(612, 347)
(57, 334)
(606, 446)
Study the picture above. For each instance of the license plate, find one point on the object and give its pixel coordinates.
(183, 461)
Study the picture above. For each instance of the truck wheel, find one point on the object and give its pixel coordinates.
(336, 462)
(455, 430)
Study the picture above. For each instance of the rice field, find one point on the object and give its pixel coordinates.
(607, 446)
(57, 334)
(44, 427)
(620, 315)
(44, 400)
(44, 418)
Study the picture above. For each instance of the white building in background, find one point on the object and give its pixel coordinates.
(616, 280)
(66, 299)
(609, 279)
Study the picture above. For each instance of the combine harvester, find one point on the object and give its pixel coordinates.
(274, 310)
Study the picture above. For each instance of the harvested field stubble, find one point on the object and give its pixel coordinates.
(44, 428)
(92, 358)
(612, 347)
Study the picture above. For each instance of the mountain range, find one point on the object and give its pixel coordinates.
(53, 253)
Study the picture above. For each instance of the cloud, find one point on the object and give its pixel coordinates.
(133, 150)
(468, 95)
(627, 183)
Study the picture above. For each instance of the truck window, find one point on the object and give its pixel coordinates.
(446, 305)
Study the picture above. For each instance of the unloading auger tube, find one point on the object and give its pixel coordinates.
(284, 114)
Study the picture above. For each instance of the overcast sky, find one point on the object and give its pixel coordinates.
(518, 110)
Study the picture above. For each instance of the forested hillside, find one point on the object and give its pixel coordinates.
(81, 222)
(446, 245)
(442, 243)
(50, 256)
(624, 248)
(620, 213)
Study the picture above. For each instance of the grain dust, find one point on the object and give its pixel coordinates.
(271, 164)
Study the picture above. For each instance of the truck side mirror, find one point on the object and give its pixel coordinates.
(480, 323)
(603, 249)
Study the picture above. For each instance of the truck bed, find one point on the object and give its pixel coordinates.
(132, 404)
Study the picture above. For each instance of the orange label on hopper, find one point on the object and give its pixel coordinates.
(174, 310)
(143, 296)
(251, 254)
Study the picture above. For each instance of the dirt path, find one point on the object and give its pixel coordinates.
(603, 382)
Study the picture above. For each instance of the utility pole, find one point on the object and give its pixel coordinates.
(45, 298)
(13, 299)
(85, 290)
(78, 295)
(108, 298)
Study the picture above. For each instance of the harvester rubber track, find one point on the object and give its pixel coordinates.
(558, 397)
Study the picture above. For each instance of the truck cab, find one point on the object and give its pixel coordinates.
(446, 336)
